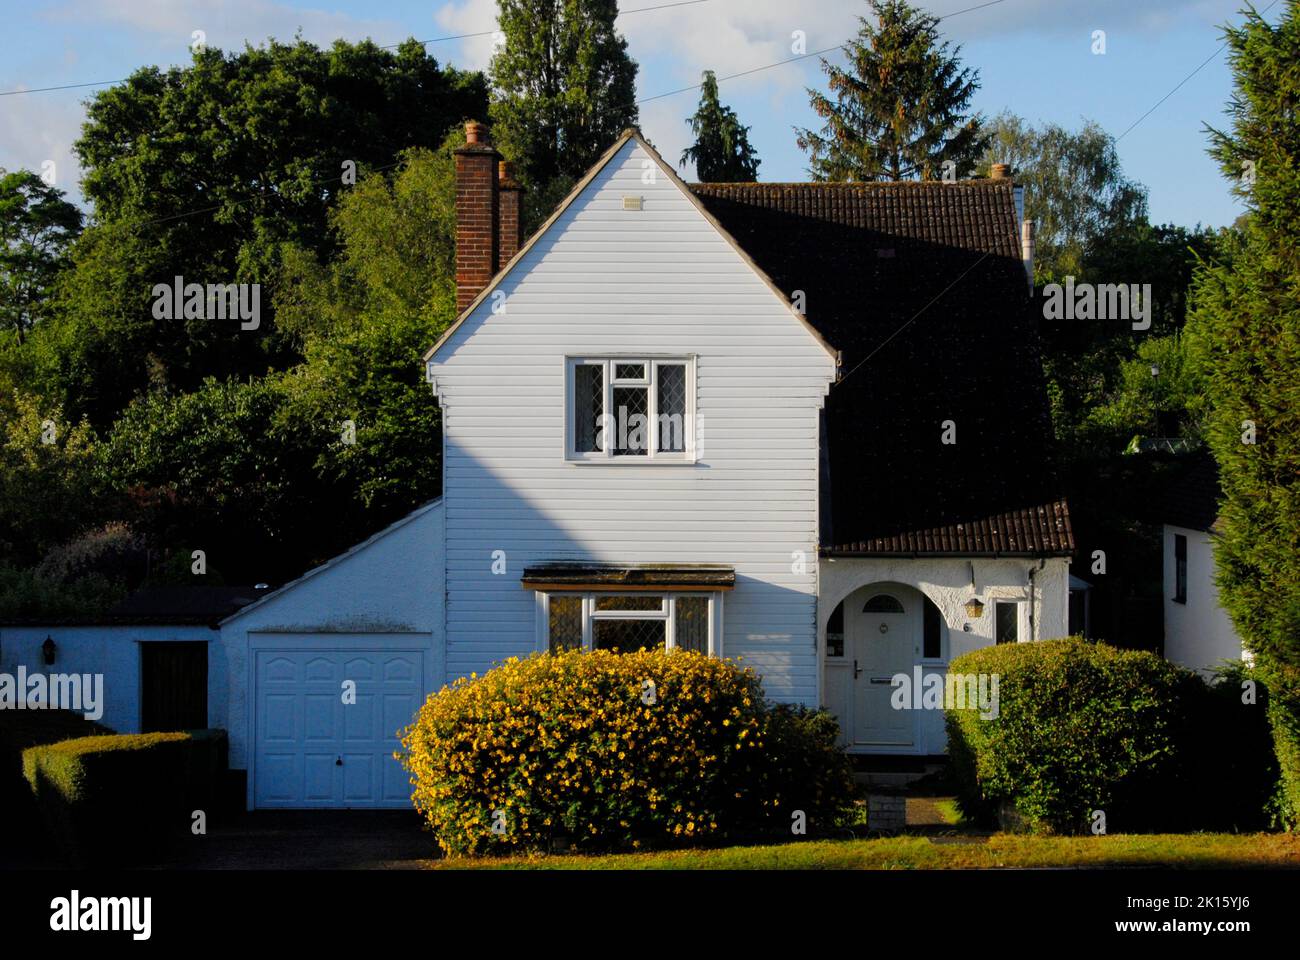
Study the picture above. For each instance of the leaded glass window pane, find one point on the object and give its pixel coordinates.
(565, 623)
(691, 624)
(631, 409)
(588, 406)
(628, 635)
(672, 407)
(636, 602)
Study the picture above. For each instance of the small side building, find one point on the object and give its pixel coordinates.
(1198, 633)
(157, 655)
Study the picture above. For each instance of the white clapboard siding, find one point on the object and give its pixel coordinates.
(661, 280)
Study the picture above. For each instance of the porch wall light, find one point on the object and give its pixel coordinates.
(47, 650)
(974, 608)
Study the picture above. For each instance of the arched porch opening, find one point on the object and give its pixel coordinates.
(875, 633)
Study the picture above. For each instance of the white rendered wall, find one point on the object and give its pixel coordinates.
(114, 652)
(1198, 633)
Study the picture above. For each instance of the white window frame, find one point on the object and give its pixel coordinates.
(668, 614)
(652, 362)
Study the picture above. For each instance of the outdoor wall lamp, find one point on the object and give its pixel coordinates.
(974, 608)
(48, 649)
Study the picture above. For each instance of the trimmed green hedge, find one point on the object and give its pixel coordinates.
(123, 798)
(609, 750)
(1083, 726)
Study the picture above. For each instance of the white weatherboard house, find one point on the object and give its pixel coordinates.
(798, 424)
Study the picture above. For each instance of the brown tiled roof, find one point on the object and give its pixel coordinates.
(1028, 532)
(921, 288)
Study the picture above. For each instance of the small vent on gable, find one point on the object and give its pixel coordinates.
(633, 203)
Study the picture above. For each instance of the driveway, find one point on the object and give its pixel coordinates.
(308, 840)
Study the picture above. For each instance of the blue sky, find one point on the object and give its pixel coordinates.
(1034, 58)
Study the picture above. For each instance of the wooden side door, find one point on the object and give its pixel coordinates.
(173, 685)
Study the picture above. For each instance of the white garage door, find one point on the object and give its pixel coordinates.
(313, 749)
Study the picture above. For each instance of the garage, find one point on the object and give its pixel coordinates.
(326, 723)
(325, 671)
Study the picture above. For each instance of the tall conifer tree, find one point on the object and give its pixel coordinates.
(721, 152)
(900, 108)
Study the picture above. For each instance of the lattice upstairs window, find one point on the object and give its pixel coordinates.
(630, 409)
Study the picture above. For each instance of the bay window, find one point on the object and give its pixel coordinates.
(627, 622)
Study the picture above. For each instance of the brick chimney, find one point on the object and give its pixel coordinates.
(477, 214)
(510, 228)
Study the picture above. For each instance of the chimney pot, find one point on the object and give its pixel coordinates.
(475, 132)
(1000, 171)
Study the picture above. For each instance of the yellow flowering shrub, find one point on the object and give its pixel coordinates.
(605, 749)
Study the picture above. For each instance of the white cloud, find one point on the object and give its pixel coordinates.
(228, 23)
(34, 130)
(467, 16)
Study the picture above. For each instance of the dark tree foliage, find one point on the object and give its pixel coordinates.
(204, 172)
(721, 151)
(1246, 335)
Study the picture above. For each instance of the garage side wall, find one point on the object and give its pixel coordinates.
(392, 585)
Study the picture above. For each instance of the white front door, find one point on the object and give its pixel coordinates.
(885, 636)
(321, 742)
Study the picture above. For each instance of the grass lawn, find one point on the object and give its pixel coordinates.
(1193, 851)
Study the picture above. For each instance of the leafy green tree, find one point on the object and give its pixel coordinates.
(721, 151)
(1245, 333)
(1075, 190)
(245, 469)
(901, 109)
(1159, 395)
(238, 490)
(564, 88)
(47, 475)
(36, 226)
(1084, 360)
(365, 320)
(206, 171)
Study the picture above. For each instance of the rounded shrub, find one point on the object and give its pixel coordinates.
(604, 749)
(1080, 727)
